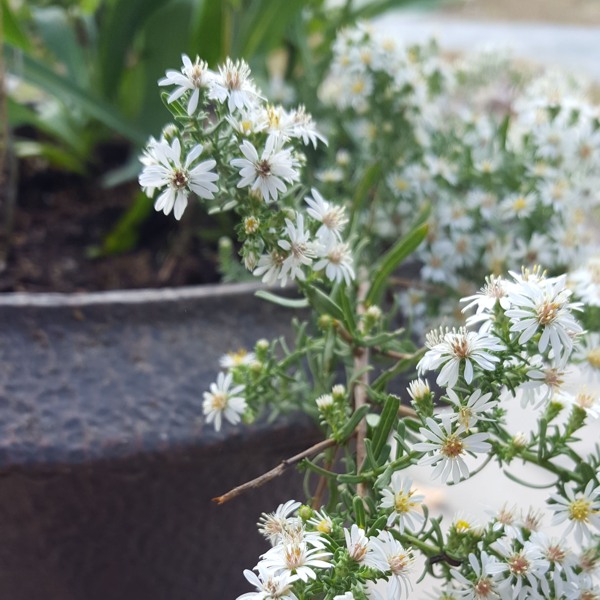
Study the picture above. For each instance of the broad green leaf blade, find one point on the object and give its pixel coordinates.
(392, 259)
(387, 420)
(118, 26)
(57, 31)
(281, 301)
(61, 87)
(13, 34)
(211, 31)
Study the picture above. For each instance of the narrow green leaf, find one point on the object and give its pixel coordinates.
(543, 427)
(527, 483)
(389, 417)
(343, 299)
(281, 301)
(55, 155)
(317, 469)
(379, 524)
(348, 429)
(392, 259)
(323, 304)
(360, 517)
(363, 190)
(349, 478)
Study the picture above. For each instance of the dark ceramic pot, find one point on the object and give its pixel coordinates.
(107, 470)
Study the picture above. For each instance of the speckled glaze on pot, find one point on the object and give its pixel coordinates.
(107, 470)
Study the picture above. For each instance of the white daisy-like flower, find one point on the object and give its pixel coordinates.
(493, 292)
(321, 522)
(296, 558)
(585, 399)
(301, 250)
(273, 525)
(269, 586)
(346, 596)
(304, 127)
(470, 413)
(193, 77)
(449, 448)
(542, 383)
(336, 259)
(222, 401)
(520, 572)
(363, 550)
(544, 307)
(581, 510)
(587, 354)
(267, 174)
(332, 217)
(452, 349)
(562, 561)
(418, 389)
(518, 205)
(484, 584)
(270, 267)
(404, 502)
(400, 562)
(236, 359)
(235, 85)
(178, 178)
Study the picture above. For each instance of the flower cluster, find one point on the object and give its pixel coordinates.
(231, 148)
(505, 161)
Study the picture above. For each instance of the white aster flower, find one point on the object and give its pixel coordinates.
(296, 558)
(235, 85)
(304, 127)
(449, 448)
(493, 292)
(470, 413)
(542, 383)
(193, 77)
(587, 354)
(178, 178)
(236, 359)
(399, 562)
(484, 584)
(336, 259)
(506, 519)
(346, 596)
(584, 399)
(332, 217)
(404, 502)
(562, 561)
(581, 509)
(521, 571)
(363, 550)
(301, 250)
(269, 586)
(544, 307)
(273, 525)
(222, 401)
(452, 349)
(267, 174)
(270, 267)
(321, 522)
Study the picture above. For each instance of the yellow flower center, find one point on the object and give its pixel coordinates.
(453, 446)
(519, 204)
(580, 510)
(324, 526)
(593, 358)
(402, 502)
(358, 86)
(462, 526)
(398, 563)
(219, 401)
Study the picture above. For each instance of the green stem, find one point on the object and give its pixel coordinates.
(564, 474)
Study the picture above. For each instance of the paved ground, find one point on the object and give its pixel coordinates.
(576, 48)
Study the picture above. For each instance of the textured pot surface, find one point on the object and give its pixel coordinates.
(107, 469)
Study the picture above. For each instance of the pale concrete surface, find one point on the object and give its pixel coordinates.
(571, 47)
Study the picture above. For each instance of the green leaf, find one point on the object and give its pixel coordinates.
(389, 417)
(360, 517)
(55, 155)
(38, 74)
(543, 427)
(349, 478)
(125, 234)
(281, 301)
(363, 190)
(348, 429)
(121, 19)
(13, 34)
(377, 526)
(57, 31)
(401, 366)
(323, 304)
(392, 259)
(211, 31)
(343, 300)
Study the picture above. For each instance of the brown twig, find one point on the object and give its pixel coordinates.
(276, 472)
